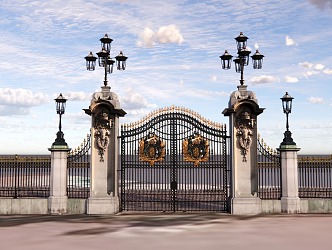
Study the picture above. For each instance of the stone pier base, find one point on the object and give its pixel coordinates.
(290, 205)
(246, 205)
(103, 205)
(57, 205)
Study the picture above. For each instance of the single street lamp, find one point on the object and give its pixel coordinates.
(242, 59)
(60, 103)
(287, 108)
(104, 58)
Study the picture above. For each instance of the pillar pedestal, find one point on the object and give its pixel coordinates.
(105, 112)
(57, 202)
(290, 201)
(243, 110)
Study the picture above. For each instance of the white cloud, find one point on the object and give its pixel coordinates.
(21, 97)
(147, 38)
(307, 65)
(14, 110)
(327, 71)
(132, 100)
(290, 42)
(214, 78)
(77, 96)
(186, 67)
(77, 119)
(316, 100)
(316, 69)
(319, 66)
(310, 73)
(169, 34)
(291, 79)
(263, 79)
(165, 34)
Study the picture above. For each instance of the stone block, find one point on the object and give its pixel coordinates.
(6, 205)
(57, 205)
(246, 206)
(103, 205)
(271, 206)
(319, 206)
(76, 206)
(290, 205)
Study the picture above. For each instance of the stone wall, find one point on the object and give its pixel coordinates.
(307, 206)
(38, 206)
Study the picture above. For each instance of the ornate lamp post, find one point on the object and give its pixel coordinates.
(60, 102)
(104, 58)
(287, 108)
(242, 59)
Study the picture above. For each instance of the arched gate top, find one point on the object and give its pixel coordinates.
(181, 111)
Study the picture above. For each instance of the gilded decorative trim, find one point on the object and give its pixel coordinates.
(151, 149)
(195, 149)
(174, 109)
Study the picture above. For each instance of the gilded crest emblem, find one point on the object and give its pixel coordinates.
(151, 149)
(195, 149)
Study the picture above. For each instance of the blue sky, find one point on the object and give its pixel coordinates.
(173, 48)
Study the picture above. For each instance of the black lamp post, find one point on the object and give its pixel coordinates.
(104, 58)
(287, 108)
(242, 59)
(60, 103)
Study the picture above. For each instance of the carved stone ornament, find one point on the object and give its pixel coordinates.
(195, 149)
(102, 125)
(244, 125)
(151, 149)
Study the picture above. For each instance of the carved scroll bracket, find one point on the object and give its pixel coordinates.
(102, 126)
(245, 124)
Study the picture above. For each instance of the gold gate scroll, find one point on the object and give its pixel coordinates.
(151, 149)
(195, 149)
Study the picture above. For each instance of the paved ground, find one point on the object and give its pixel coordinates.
(166, 231)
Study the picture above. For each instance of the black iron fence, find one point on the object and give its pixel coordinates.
(269, 172)
(25, 176)
(315, 176)
(78, 174)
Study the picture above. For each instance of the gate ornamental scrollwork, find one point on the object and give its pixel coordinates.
(196, 149)
(151, 149)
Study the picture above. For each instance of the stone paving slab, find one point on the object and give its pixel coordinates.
(165, 231)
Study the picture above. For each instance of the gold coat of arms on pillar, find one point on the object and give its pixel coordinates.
(151, 149)
(195, 149)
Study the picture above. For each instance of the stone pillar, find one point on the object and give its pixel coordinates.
(243, 110)
(57, 202)
(290, 201)
(105, 112)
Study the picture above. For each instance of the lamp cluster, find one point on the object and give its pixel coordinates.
(104, 58)
(242, 59)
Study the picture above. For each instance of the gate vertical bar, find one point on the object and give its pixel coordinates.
(122, 171)
(173, 157)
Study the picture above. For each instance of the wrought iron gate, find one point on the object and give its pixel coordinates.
(78, 170)
(174, 160)
(269, 171)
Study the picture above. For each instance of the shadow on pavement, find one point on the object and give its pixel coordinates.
(113, 223)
